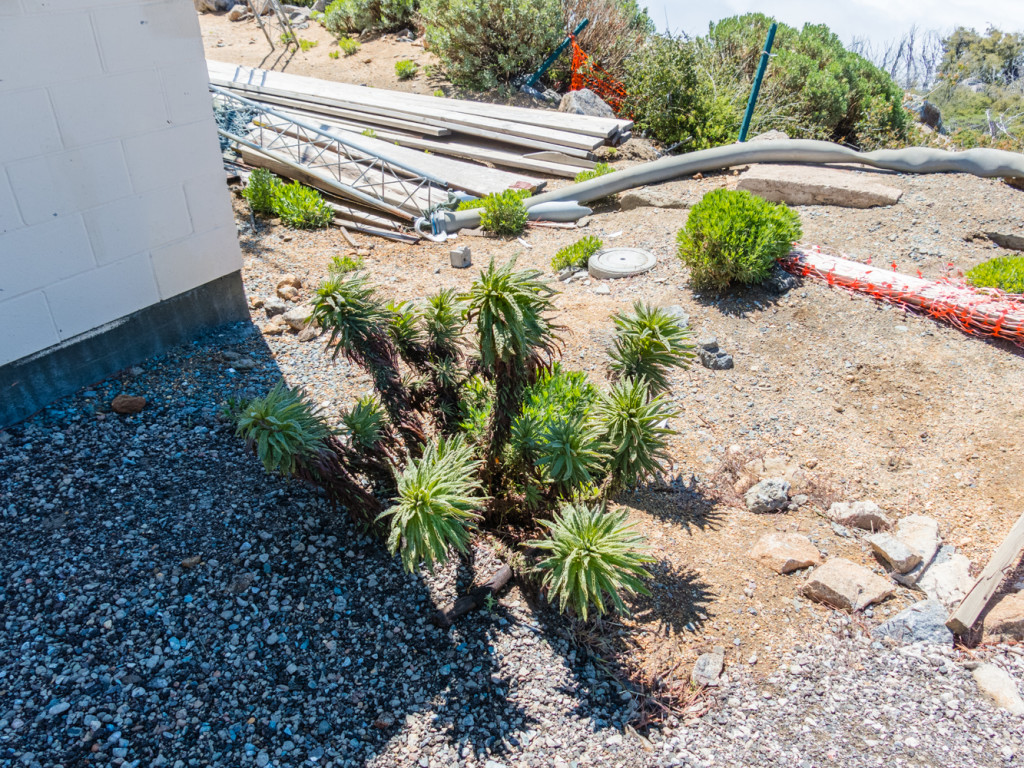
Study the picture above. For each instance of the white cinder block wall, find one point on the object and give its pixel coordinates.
(112, 192)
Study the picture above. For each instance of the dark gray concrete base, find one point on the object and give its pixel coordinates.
(28, 384)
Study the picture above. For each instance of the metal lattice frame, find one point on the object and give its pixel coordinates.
(349, 168)
(276, 24)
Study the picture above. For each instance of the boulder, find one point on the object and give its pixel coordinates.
(923, 622)
(785, 552)
(921, 534)
(845, 585)
(297, 318)
(769, 495)
(238, 12)
(948, 578)
(648, 197)
(930, 115)
(208, 6)
(128, 405)
(894, 552)
(1005, 619)
(708, 667)
(275, 307)
(996, 684)
(806, 185)
(859, 514)
(585, 102)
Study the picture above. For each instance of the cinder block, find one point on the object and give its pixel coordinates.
(39, 49)
(27, 326)
(29, 127)
(177, 154)
(32, 257)
(196, 260)
(109, 107)
(209, 202)
(138, 223)
(68, 182)
(186, 90)
(140, 35)
(99, 296)
(10, 219)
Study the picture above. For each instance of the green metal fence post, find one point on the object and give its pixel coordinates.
(761, 67)
(554, 56)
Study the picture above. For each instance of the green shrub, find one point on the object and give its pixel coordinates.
(438, 496)
(577, 254)
(504, 213)
(648, 344)
(341, 264)
(439, 93)
(369, 133)
(592, 556)
(301, 207)
(333, 54)
(1004, 272)
(348, 45)
(631, 423)
(599, 169)
(343, 16)
(732, 236)
(283, 428)
(406, 69)
(260, 189)
(482, 43)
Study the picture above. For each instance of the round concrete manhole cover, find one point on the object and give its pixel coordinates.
(620, 262)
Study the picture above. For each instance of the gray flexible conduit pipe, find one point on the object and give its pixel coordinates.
(978, 162)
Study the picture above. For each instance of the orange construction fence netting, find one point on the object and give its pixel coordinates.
(587, 73)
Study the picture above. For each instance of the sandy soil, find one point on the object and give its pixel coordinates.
(870, 402)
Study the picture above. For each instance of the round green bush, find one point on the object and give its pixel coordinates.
(733, 236)
(301, 207)
(504, 213)
(1003, 272)
(343, 16)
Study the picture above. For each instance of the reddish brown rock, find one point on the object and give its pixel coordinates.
(1005, 620)
(845, 585)
(785, 552)
(128, 404)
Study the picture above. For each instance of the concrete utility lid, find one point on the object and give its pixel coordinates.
(620, 262)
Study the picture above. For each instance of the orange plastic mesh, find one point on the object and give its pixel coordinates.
(587, 73)
(981, 312)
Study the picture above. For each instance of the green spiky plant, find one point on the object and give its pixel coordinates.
(571, 454)
(374, 451)
(436, 505)
(360, 329)
(632, 424)
(443, 323)
(406, 330)
(259, 190)
(340, 265)
(593, 557)
(648, 344)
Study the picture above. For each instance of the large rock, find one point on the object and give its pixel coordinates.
(898, 555)
(921, 534)
(859, 514)
(769, 495)
(238, 12)
(128, 405)
(923, 622)
(930, 115)
(275, 307)
(846, 585)
(652, 197)
(708, 667)
(1006, 238)
(785, 552)
(1005, 620)
(585, 102)
(297, 318)
(807, 185)
(204, 6)
(948, 578)
(997, 685)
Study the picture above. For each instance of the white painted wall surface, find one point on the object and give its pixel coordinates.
(112, 192)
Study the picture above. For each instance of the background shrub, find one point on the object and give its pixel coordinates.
(482, 43)
(732, 236)
(348, 45)
(1003, 272)
(343, 16)
(406, 69)
(259, 191)
(301, 207)
(504, 213)
(577, 254)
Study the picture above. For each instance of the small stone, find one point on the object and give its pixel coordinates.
(923, 622)
(275, 307)
(921, 534)
(289, 280)
(238, 12)
(602, 290)
(715, 361)
(128, 404)
(999, 687)
(768, 495)
(384, 721)
(845, 585)
(191, 562)
(287, 292)
(894, 552)
(58, 709)
(1004, 621)
(461, 257)
(708, 668)
(708, 343)
(309, 333)
(272, 638)
(785, 552)
(859, 514)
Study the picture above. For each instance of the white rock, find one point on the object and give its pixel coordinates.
(898, 555)
(859, 514)
(846, 585)
(921, 534)
(948, 578)
(998, 686)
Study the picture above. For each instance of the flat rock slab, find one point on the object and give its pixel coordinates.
(807, 185)
(948, 578)
(923, 622)
(646, 197)
(845, 585)
(865, 515)
(1005, 620)
(785, 552)
(769, 495)
(999, 687)
(894, 552)
(921, 534)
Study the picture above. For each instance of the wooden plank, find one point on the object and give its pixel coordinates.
(974, 602)
(469, 177)
(581, 124)
(558, 157)
(529, 137)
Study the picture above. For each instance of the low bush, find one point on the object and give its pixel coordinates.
(732, 236)
(343, 16)
(576, 255)
(599, 169)
(1003, 272)
(406, 69)
(504, 213)
(482, 43)
(260, 190)
(301, 207)
(342, 264)
(334, 55)
(348, 45)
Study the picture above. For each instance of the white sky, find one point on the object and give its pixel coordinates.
(877, 20)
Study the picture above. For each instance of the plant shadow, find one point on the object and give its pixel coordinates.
(744, 301)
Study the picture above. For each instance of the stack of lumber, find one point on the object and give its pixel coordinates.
(409, 126)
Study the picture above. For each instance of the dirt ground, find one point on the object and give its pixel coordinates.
(866, 401)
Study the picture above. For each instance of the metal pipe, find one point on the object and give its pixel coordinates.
(762, 65)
